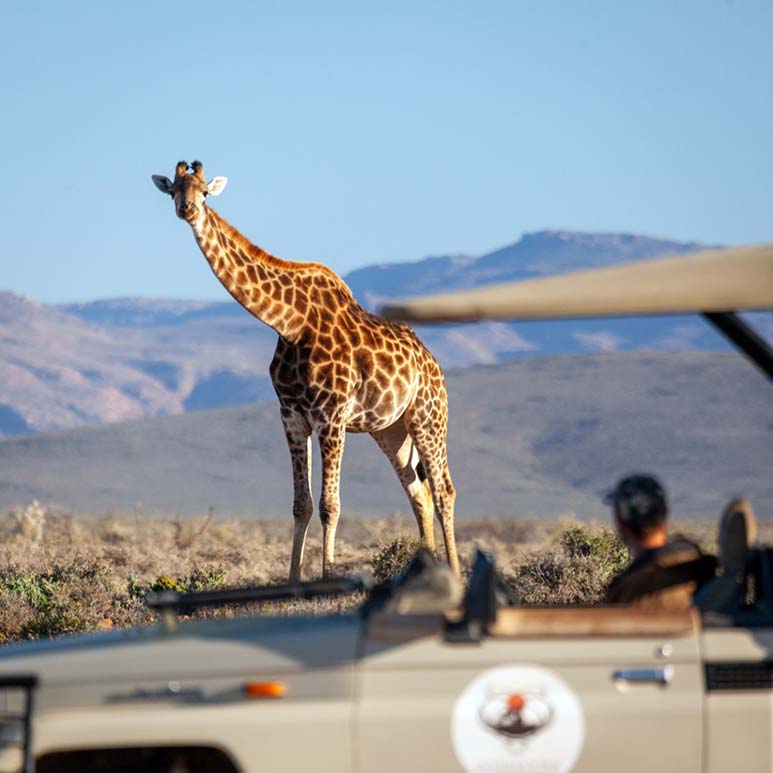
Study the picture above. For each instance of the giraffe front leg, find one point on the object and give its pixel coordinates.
(299, 441)
(331, 446)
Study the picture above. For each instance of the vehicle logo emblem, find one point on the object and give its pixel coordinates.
(520, 719)
(517, 715)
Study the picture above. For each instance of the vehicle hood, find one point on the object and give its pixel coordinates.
(195, 661)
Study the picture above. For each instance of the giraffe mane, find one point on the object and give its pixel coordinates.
(271, 260)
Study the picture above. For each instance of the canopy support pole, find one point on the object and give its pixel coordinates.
(744, 337)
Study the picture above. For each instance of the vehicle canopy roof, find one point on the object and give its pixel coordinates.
(704, 282)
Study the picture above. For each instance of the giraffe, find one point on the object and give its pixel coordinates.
(337, 368)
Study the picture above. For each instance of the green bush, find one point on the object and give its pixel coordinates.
(208, 577)
(605, 548)
(394, 557)
(166, 582)
(205, 577)
(575, 570)
(82, 596)
(136, 589)
(67, 598)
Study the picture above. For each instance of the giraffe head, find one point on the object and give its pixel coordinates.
(189, 189)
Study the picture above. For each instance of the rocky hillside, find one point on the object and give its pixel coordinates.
(540, 437)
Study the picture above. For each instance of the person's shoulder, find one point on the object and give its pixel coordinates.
(678, 550)
(634, 580)
(679, 562)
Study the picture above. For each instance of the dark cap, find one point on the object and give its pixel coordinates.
(639, 500)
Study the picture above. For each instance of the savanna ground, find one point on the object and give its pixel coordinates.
(63, 574)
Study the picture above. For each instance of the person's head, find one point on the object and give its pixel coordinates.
(640, 509)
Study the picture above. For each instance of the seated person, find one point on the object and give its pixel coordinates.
(664, 573)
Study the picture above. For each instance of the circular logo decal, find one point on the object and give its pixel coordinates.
(523, 719)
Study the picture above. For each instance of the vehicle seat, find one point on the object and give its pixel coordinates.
(737, 531)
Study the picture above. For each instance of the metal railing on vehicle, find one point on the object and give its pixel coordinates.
(171, 603)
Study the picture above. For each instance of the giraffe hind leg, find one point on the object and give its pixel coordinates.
(444, 494)
(431, 445)
(397, 445)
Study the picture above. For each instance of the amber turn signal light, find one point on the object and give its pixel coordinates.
(265, 689)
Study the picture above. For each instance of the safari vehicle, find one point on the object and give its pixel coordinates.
(423, 676)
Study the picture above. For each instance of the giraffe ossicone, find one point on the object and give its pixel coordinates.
(337, 368)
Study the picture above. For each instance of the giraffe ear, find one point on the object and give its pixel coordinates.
(164, 184)
(216, 185)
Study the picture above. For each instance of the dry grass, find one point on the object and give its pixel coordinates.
(61, 574)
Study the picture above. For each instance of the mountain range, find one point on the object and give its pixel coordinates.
(64, 366)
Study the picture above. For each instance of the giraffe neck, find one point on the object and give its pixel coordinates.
(262, 283)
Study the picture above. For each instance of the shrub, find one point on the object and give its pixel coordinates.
(136, 589)
(30, 522)
(67, 598)
(394, 557)
(575, 570)
(165, 582)
(207, 577)
(15, 614)
(605, 548)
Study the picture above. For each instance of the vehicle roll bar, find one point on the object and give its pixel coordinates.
(28, 683)
(170, 602)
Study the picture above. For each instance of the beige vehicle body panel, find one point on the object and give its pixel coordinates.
(380, 696)
(406, 696)
(738, 723)
(187, 689)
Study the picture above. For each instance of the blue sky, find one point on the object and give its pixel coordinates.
(356, 133)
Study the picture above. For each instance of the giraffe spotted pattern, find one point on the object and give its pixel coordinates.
(337, 368)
